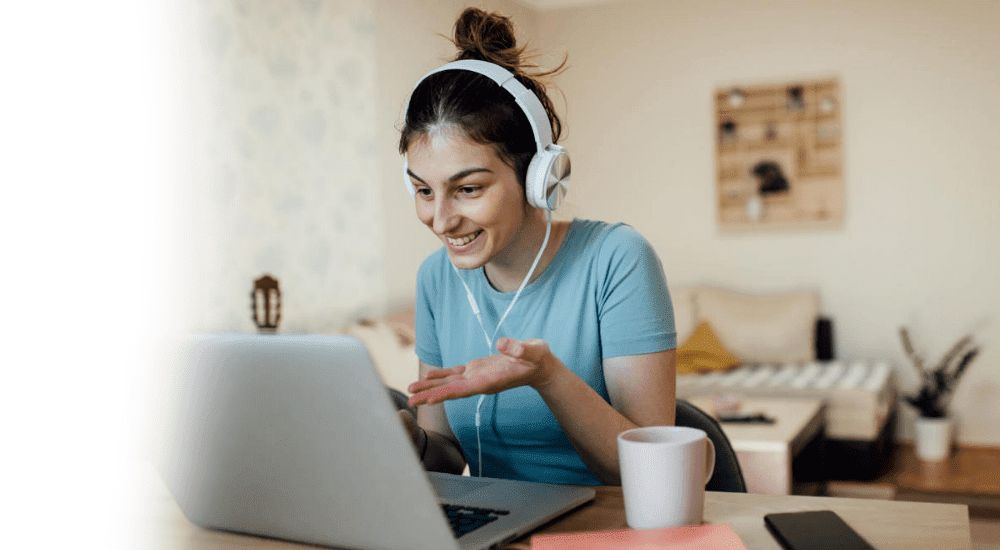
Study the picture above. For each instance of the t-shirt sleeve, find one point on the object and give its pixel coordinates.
(636, 314)
(427, 347)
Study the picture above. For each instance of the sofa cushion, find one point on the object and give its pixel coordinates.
(762, 328)
(703, 352)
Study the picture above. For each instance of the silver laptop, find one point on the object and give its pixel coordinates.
(296, 438)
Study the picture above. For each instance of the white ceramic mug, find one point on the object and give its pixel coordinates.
(664, 471)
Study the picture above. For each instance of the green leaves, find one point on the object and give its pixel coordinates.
(937, 384)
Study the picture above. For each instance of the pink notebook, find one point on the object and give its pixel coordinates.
(689, 537)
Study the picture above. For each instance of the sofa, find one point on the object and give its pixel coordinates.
(779, 344)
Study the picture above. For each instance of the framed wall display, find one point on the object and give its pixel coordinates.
(778, 155)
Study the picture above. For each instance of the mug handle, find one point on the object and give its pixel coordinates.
(710, 466)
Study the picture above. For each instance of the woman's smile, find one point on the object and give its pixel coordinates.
(462, 242)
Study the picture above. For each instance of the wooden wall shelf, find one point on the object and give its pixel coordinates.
(779, 154)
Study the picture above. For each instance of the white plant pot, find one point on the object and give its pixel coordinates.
(933, 438)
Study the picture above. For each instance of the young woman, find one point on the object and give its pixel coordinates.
(538, 341)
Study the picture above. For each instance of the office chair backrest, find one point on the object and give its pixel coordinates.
(401, 401)
(728, 476)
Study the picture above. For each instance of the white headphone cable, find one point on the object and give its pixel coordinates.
(489, 341)
(475, 305)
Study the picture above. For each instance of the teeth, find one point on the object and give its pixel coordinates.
(464, 240)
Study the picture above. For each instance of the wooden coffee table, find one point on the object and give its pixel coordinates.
(766, 451)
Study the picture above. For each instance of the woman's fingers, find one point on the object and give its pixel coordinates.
(435, 391)
(430, 383)
(510, 347)
(419, 387)
(454, 386)
(435, 378)
(444, 373)
(532, 350)
(429, 397)
(443, 392)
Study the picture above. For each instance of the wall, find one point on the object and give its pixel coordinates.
(919, 242)
(284, 165)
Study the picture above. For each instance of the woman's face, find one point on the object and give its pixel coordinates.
(468, 197)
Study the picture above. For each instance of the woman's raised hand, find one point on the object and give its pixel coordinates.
(528, 363)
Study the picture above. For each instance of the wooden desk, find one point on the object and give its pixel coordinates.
(766, 451)
(887, 525)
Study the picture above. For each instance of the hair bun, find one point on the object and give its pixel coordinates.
(487, 37)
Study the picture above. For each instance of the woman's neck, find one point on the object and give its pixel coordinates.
(506, 272)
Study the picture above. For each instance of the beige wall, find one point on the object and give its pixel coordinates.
(282, 152)
(919, 242)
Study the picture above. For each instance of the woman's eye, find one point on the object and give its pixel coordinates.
(468, 189)
(423, 191)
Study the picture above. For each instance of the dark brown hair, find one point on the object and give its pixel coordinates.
(478, 106)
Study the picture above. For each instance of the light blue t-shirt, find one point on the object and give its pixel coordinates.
(603, 295)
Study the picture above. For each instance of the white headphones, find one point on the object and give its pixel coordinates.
(549, 170)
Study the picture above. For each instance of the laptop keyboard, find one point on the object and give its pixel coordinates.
(465, 519)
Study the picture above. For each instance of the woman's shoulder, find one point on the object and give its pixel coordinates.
(434, 265)
(608, 236)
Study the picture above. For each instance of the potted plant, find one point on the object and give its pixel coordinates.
(933, 428)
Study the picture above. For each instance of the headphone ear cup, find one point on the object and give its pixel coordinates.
(548, 178)
(534, 185)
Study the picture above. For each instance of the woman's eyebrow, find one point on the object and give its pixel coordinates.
(468, 172)
(456, 177)
(416, 177)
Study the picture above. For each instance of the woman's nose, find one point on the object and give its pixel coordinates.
(445, 216)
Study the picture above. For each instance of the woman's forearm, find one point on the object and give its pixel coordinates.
(591, 424)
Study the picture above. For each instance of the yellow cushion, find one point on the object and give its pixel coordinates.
(703, 351)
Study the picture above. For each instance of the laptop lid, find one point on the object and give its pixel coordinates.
(295, 437)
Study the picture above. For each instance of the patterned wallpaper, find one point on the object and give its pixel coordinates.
(284, 123)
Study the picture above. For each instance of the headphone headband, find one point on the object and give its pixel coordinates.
(525, 98)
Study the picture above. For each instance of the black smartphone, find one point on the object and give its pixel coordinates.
(814, 530)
